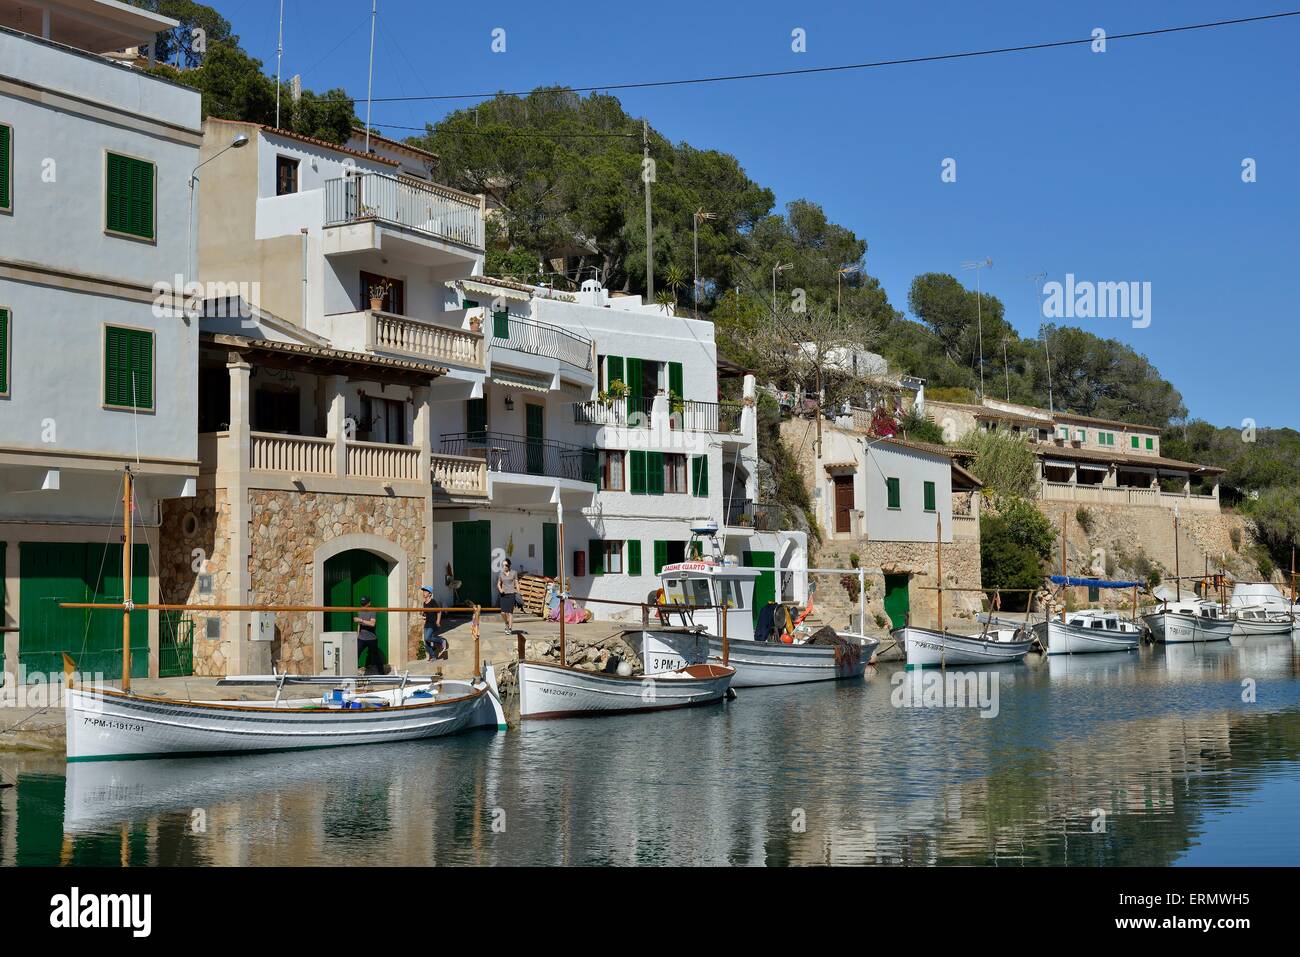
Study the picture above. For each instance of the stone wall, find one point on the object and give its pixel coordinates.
(187, 550)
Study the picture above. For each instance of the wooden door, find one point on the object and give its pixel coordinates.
(843, 504)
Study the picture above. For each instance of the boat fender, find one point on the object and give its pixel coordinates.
(731, 694)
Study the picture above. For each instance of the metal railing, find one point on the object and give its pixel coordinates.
(524, 456)
(424, 207)
(618, 412)
(723, 417)
(746, 513)
(539, 339)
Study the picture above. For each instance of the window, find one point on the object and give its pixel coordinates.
(392, 291)
(1151, 445)
(1063, 433)
(613, 558)
(128, 368)
(729, 594)
(501, 325)
(605, 558)
(634, 556)
(667, 553)
(286, 175)
(1105, 438)
(700, 476)
(1134, 440)
(274, 411)
(6, 168)
(929, 497)
(579, 563)
(1081, 435)
(382, 420)
(4, 350)
(894, 493)
(674, 480)
(129, 196)
(611, 471)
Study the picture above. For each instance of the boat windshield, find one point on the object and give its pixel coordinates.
(687, 591)
(729, 593)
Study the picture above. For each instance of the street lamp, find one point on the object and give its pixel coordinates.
(695, 230)
(239, 142)
(843, 271)
(779, 267)
(979, 312)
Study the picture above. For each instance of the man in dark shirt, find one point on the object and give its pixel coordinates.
(368, 641)
(435, 645)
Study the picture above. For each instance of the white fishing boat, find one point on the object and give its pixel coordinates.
(928, 647)
(1089, 631)
(550, 690)
(1258, 621)
(107, 724)
(714, 596)
(1178, 622)
(1246, 594)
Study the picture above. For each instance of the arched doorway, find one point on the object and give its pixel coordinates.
(350, 576)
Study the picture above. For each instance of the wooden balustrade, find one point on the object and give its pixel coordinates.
(296, 454)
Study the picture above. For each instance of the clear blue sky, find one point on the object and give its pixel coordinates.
(1119, 166)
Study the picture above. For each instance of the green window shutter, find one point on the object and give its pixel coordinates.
(130, 196)
(501, 325)
(700, 476)
(591, 471)
(1151, 444)
(654, 473)
(469, 304)
(634, 556)
(476, 418)
(633, 380)
(895, 498)
(6, 167)
(595, 557)
(636, 459)
(614, 370)
(128, 368)
(4, 349)
(675, 379)
(929, 496)
(661, 555)
(1135, 440)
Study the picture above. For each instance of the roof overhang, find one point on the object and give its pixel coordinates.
(97, 26)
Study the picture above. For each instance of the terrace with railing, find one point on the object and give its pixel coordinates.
(503, 452)
(427, 208)
(746, 513)
(539, 339)
(389, 332)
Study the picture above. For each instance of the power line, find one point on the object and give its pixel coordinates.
(508, 132)
(845, 67)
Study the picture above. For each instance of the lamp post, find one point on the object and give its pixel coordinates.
(840, 273)
(695, 230)
(779, 267)
(238, 142)
(979, 311)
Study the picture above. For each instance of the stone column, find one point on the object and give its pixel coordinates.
(334, 425)
(423, 429)
(239, 585)
(749, 413)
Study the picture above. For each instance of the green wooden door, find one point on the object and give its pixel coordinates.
(471, 560)
(535, 430)
(349, 577)
(54, 572)
(765, 585)
(897, 600)
(550, 550)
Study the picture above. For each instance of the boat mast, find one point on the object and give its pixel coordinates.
(564, 656)
(1065, 584)
(938, 561)
(126, 579)
(1178, 579)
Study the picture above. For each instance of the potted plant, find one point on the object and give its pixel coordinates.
(616, 392)
(476, 321)
(378, 293)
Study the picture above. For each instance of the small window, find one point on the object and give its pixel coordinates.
(128, 368)
(1151, 444)
(674, 473)
(611, 471)
(1081, 435)
(613, 558)
(6, 168)
(212, 628)
(895, 498)
(286, 175)
(929, 497)
(1062, 433)
(129, 198)
(1134, 440)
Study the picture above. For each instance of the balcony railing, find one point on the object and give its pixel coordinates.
(524, 456)
(383, 461)
(618, 412)
(1125, 495)
(721, 417)
(389, 332)
(423, 207)
(457, 475)
(539, 339)
(746, 513)
(296, 454)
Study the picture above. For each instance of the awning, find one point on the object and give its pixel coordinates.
(516, 380)
(1058, 464)
(1093, 468)
(492, 289)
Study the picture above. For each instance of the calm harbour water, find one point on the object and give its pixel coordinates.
(1160, 742)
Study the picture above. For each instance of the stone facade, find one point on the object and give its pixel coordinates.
(286, 530)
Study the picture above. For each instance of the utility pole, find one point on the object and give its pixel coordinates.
(1005, 368)
(370, 74)
(279, 55)
(979, 310)
(646, 176)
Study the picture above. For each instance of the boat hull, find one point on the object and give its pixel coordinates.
(1064, 638)
(1172, 629)
(107, 725)
(552, 691)
(762, 664)
(927, 648)
(1246, 628)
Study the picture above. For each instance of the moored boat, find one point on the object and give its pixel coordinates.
(1090, 631)
(927, 647)
(549, 690)
(1258, 620)
(1179, 622)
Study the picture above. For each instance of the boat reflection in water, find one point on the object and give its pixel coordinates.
(1150, 757)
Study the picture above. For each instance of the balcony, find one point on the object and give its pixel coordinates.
(1125, 495)
(540, 339)
(393, 334)
(722, 418)
(427, 209)
(619, 413)
(515, 454)
(747, 514)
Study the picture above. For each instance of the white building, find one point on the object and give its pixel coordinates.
(607, 410)
(94, 163)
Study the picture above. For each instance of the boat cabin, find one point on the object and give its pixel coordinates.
(709, 582)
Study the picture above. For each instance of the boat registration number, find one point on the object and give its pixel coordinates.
(661, 663)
